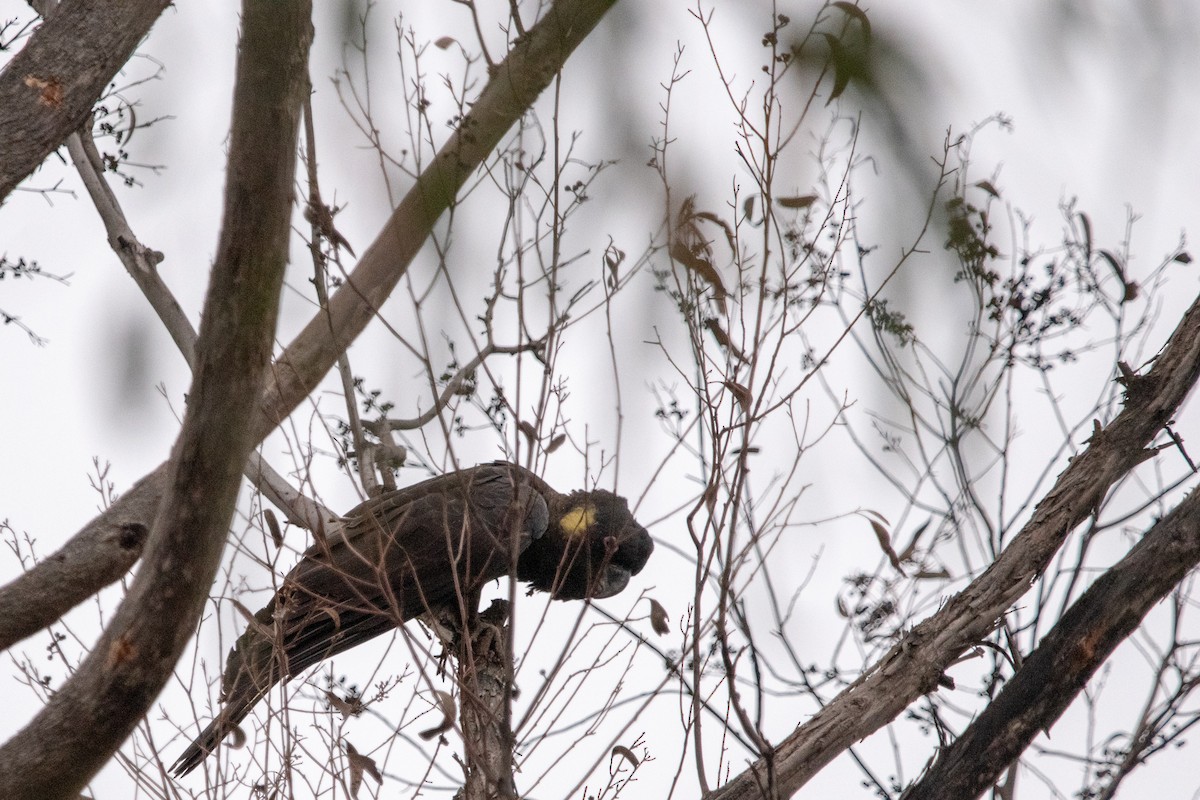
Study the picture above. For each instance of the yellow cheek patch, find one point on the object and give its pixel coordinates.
(578, 520)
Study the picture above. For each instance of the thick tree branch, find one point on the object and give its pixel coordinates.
(512, 89)
(49, 88)
(484, 657)
(93, 713)
(1062, 664)
(915, 664)
(95, 557)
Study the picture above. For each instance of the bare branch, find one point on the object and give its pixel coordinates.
(514, 85)
(454, 385)
(914, 665)
(321, 219)
(140, 261)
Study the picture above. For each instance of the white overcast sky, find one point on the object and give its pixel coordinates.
(1102, 94)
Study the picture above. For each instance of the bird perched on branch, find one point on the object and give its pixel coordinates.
(427, 547)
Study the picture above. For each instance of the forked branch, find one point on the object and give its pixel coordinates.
(916, 663)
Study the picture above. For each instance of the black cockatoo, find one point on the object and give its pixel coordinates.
(419, 549)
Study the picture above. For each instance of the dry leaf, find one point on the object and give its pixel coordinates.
(854, 11)
(659, 620)
(723, 339)
(803, 201)
(444, 42)
(1087, 236)
(710, 498)
(740, 392)
(527, 429)
(449, 714)
(238, 739)
(556, 443)
(841, 75)
(872, 512)
(885, 543)
(358, 765)
(626, 753)
(988, 187)
(613, 256)
(701, 267)
(690, 248)
(344, 707)
(908, 551)
(730, 239)
(334, 615)
(273, 528)
(1114, 262)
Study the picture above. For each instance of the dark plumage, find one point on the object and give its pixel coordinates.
(426, 547)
